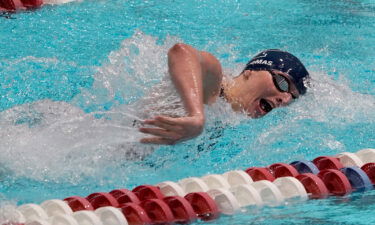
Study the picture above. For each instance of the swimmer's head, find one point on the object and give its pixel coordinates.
(281, 61)
(273, 78)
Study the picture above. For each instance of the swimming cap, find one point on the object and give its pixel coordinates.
(275, 59)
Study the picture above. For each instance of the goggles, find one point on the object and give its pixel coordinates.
(283, 84)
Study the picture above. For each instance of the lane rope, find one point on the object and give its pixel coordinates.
(206, 198)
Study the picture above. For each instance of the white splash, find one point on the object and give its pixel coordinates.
(55, 139)
(333, 101)
(130, 72)
(58, 140)
(304, 128)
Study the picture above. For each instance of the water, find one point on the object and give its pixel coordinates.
(74, 75)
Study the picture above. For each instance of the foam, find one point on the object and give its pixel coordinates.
(129, 73)
(317, 123)
(333, 101)
(55, 140)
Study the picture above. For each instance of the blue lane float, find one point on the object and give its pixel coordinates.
(357, 178)
(304, 166)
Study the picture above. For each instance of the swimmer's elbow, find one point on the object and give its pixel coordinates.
(180, 49)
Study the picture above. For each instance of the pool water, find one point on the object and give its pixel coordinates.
(68, 73)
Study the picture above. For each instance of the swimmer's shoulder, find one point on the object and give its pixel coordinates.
(211, 64)
(212, 76)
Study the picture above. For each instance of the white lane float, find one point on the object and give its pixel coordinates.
(55, 207)
(237, 177)
(32, 212)
(225, 200)
(216, 181)
(38, 222)
(246, 195)
(111, 216)
(270, 194)
(169, 188)
(13, 215)
(366, 155)
(86, 217)
(193, 184)
(349, 159)
(291, 188)
(63, 219)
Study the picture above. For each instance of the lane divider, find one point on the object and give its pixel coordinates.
(366, 155)
(304, 166)
(15, 5)
(350, 159)
(86, 217)
(313, 185)
(206, 198)
(358, 178)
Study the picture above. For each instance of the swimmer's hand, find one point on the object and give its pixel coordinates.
(169, 131)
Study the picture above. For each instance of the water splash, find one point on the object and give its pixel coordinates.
(323, 122)
(333, 101)
(58, 140)
(139, 63)
(55, 139)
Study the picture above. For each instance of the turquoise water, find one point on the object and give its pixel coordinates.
(70, 61)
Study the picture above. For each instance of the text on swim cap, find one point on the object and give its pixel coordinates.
(261, 61)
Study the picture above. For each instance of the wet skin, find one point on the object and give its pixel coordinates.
(198, 78)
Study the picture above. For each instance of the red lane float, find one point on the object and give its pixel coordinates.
(29, 4)
(78, 203)
(118, 192)
(258, 173)
(135, 214)
(204, 206)
(125, 196)
(369, 169)
(145, 192)
(182, 211)
(11, 5)
(313, 185)
(336, 182)
(102, 199)
(14, 5)
(283, 170)
(327, 162)
(158, 211)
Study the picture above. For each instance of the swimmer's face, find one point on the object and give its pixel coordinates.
(260, 94)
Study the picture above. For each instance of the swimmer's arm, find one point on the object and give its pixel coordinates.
(212, 77)
(197, 77)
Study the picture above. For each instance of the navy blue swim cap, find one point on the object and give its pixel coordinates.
(275, 59)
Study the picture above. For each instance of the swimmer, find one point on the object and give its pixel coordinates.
(273, 78)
